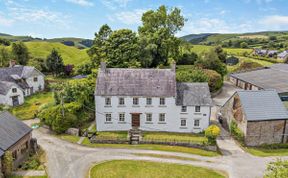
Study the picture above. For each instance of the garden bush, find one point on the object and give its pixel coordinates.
(236, 132)
(211, 133)
(277, 169)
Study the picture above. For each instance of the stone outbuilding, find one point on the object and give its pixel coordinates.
(259, 114)
(15, 136)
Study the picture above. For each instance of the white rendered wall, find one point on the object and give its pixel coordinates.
(36, 85)
(172, 112)
(7, 99)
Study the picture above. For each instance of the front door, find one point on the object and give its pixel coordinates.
(135, 120)
(15, 100)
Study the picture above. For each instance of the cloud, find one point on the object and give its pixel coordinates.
(128, 17)
(114, 4)
(81, 2)
(277, 20)
(5, 21)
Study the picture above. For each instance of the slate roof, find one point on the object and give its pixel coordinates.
(274, 77)
(136, 82)
(193, 94)
(6, 86)
(259, 105)
(283, 55)
(1, 153)
(11, 130)
(10, 75)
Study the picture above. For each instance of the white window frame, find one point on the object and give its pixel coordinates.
(107, 101)
(108, 115)
(121, 117)
(14, 90)
(149, 116)
(196, 108)
(121, 101)
(185, 122)
(198, 125)
(162, 117)
(35, 79)
(162, 101)
(184, 110)
(135, 103)
(148, 101)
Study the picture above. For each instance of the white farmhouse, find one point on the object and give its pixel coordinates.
(150, 99)
(17, 81)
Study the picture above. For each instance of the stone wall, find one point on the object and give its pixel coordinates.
(265, 132)
(20, 149)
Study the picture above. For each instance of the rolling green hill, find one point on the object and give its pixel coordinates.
(70, 55)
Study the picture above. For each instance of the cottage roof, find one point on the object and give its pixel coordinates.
(11, 130)
(283, 55)
(1, 153)
(136, 82)
(274, 77)
(6, 86)
(193, 94)
(259, 105)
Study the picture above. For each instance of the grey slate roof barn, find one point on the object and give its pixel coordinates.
(259, 114)
(11, 130)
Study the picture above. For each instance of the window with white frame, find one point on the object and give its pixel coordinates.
(108, 101)
(121, 117)
(135, 101)
(121, 101)
(108, 117)
(35, 79)
(148, 101)
(14, 90)
(197, 108)
(148, 117)
(162, 101)
(184, 109)
(161, 117)
(196, 123)
(183, 123)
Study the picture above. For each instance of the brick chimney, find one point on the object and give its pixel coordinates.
(103, 66)
(173, 66)
(12, 63)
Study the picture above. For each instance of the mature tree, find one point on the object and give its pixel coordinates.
(20, 53)
(210, 60)
(4, 56)
(221, 53)
(68, 69)
(157, 34)
(187, 58)
(38, 63)
(98, 51)
(54, 63)
(4, 42)
(191, 75)
(243, 45)
(123, 49)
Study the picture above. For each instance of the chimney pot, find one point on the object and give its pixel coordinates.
(12, 63)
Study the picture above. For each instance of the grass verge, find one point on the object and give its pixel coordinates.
(263, 152)
(143, 169)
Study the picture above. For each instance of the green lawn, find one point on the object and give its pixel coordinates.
(27, 177)
(69, 138)
(31, 105)
(194, 138)
(146, 169)
(181, 149)
(113, 135)
(166, 156)
(266, 152)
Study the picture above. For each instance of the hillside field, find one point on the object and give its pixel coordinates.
(70, 55)
(198, 49)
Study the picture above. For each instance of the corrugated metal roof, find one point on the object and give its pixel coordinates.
(193, 94)
(274, 77)
(136, 82)
(262, 105)
(11, 130)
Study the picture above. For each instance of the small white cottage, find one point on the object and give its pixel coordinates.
(17, 81)
(150, 99)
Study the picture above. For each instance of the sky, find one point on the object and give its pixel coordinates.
(82, 18)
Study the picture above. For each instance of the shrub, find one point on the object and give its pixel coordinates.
(247, 65)
(236, 132)
(192, 75)
(215, 81)
(277, 169)
(7, 163)
(211, 133)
